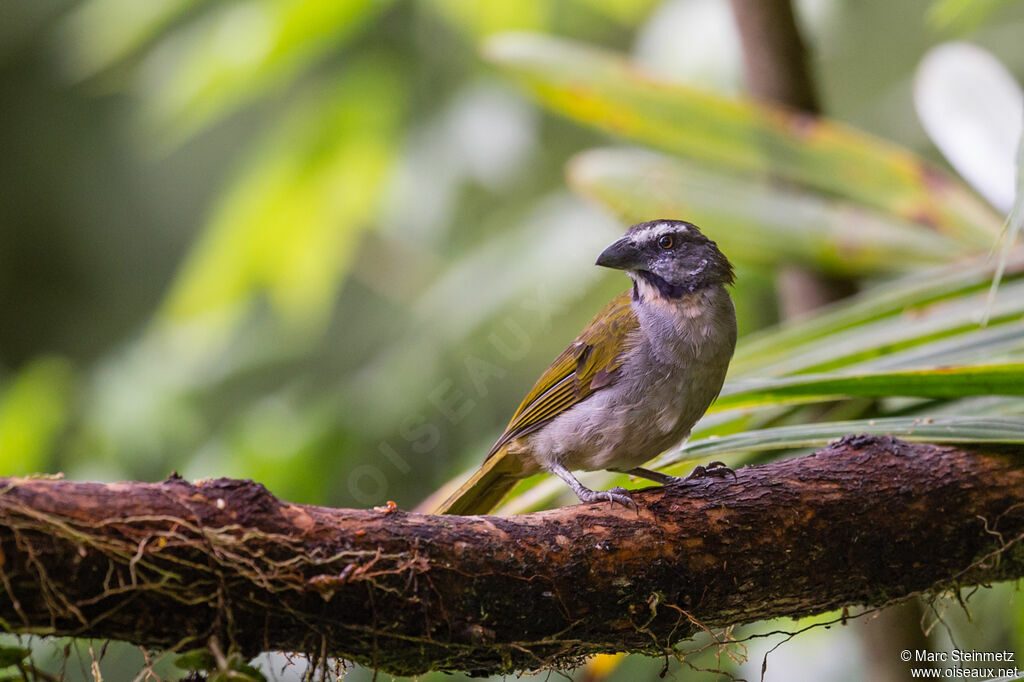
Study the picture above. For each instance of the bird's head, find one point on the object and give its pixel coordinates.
(671, 257)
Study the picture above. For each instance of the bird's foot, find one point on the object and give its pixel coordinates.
(711, 470)
(615, 495)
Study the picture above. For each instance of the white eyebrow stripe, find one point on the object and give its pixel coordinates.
(658, 228)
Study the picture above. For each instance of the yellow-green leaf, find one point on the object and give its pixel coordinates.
(938, 382)
(239, 50)
(920, 429)
(608, 92)
(287, 228)
(753, 220)
(908, 297)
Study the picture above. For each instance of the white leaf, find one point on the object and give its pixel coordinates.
(972, 108)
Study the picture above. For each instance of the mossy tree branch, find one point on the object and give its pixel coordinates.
(864, 521)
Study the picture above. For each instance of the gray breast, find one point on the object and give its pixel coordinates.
(676, 364)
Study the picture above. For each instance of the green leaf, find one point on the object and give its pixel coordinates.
(953, 429)
(288, 227)
(607, 92)
(906, 296)
(1002, 343)
(197, 659)
(755, 221)
(238, 51)
(943, 382)
(974, 406)
(238, 670)
(875, 340)
(13, 655)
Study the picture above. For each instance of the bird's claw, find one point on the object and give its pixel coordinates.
(622, 496)
(711, 469)
(615, 495)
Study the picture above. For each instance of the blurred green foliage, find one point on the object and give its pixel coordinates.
(330, 245)
(33, 410)
(286, 230)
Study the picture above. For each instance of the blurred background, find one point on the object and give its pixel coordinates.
(329, 245)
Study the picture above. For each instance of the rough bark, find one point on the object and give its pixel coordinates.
(864, 521)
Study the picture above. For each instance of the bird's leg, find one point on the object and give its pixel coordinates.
(717, 469)
(656, 476)
(617, 494)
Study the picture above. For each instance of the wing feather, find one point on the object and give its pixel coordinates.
(587, 365)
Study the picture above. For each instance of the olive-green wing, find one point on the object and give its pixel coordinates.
(587, 365)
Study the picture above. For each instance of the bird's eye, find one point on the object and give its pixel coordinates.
(666, 241)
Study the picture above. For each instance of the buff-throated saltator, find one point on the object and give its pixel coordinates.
(633, 383)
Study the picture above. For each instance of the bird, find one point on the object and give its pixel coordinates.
(635, 380)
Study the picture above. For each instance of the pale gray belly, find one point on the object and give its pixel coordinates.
(629, 423)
